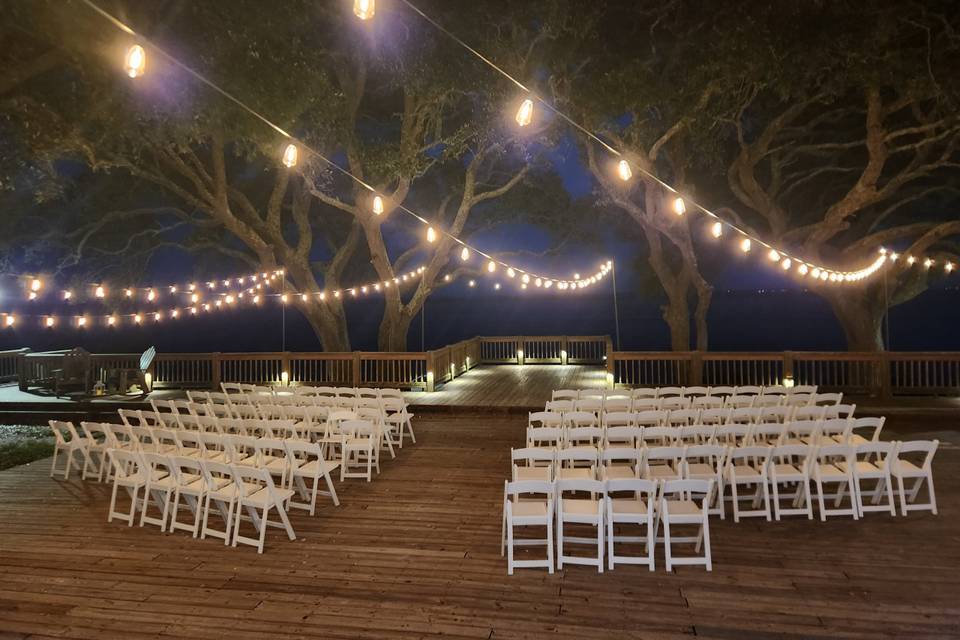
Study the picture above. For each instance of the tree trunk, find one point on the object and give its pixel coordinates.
(676, 313)
(331, 332)
(394, 329)
(860, 313)
(704, 297)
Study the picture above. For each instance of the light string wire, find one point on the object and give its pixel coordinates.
(567, 282)
(834, 274)
(232, 299)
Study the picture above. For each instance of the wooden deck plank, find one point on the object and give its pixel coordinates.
(416, 553)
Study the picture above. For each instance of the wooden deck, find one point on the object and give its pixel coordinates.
(416, 553)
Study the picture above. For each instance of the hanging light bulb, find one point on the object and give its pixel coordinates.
(815, 273)
(624, 171)
(32, 295)
(491, 266)
(928, 263)
(679, 206)
(431, 235)
(824, 275)
(364, 9)
(99, 292)
(377, 205)
(525, 113)
(786, 264)
(290, 154)
(81, 321)
(36, 284)
(774, 255)
(948, 267)
(496, 286)
(538, 282)
(173, 288)
(525, 279)
(175, 313)
(157, 317)
(803, 269)
(283, 298)
(472, 283)
(194, 297)
(717, 229)
(67, 294)
(193, 311)
(137, 319)
(49, 321)
(229, 299)
(511, 273)
(135, 62)
(151, 295)
(745, 245)
(523, 286)
(465, 254)
(894, 256)
(10, 320)
(111, 320)
(911, 260)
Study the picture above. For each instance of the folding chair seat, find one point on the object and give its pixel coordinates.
(655, 418)
(68, 441)
(660, 463)
(672, 403)
(577, 463)
(903, 468)
(706, 462)
(259, 503)
(695, 435)
(790, 466)
(872, 462)
(683, 417)
(804, 432)
(191, 488)
(767, 434)
(544, 419)
(622, 437)
(241, 450)
(834, 465)
(545, 437)
(98, 439)
(620, 463)
(565, 394)
(835, 431)
(715, 416)
(573, 419)
(631, 501)
(658, 436)
(747, 467)
(532, 464)
(307, 464)
(161, 482)
(129, 472)
(684, 502)
(558, 406)
(525, 504)
(745, 415)
(359, 448)
(580, 436)
(581, 510)
(272, 456)
(865, 430)
(839, 411)
(213, 447)
(740, 401)
(707, 402)
(165, 442)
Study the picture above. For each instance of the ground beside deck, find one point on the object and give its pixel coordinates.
(416, 553)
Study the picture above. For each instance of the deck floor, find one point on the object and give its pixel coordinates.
(416, 553)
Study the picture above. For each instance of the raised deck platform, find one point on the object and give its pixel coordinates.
(416, 553)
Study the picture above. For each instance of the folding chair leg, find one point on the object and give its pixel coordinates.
(668, 556)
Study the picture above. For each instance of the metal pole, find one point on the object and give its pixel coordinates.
(886, 309)
(616, 312)
(283, 311)
(423, 322)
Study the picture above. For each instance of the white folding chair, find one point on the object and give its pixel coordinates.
(192, 489)
(834, 465)
(873, 462)
(673, 403)
(536, 419)
(68, 441)
(577, 463)
(747, 467)
(580, 436)
(660, 463)
(767, 434)
(749, 390)
(359, 449)
(222, 493)
(651, 418)
(839, 411)
(620, 437)
(707, 462)
(679, 506)
(790, 466)
(98, 439)
(683, 417)
(522, 509)
(532, 464)
(707, 402)
(866, 430)
(631, 501)
(545, 437)
(259, 496)
(565, 394)
(161, 483)
(307, 464)
(722, 391)
(917, 470)
(558, 406)
(620, 463)
(613, 404)
(580, 510)
(129, 473)
(578, 418)
(715, 416)
(696, 392)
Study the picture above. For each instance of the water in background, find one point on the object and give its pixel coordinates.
(739, 321)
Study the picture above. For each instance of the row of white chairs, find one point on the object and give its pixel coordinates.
(606, 505)
(757, 465)
(626, 403)
(688, 392)
(275, 406)
(240, 390)
(836, 430)
(679, 417)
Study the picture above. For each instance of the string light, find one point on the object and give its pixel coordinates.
(815, 273)
(135, 61)
(511, 273)
(290, 156)
(431, 235)
(803, 269)
(67, 294)
(774, 255)
(377, 205)
(496, 286)
(928, 263)
(137, 319)
(36, 284)
(525, 113)
(745, 245)
(491, 266)
(364, 9)
(465, 254)
(948, 267)
(111, 320)
(717, 229)
(785, 265)
(99, 292)
(10, 320)
(911, 260)
(472, 283)
(151, 295)
(81, 321)
(624, 170)
(679, 206)
(49, 322)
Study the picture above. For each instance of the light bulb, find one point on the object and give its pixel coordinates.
(824, 275)
(49, 321)
(679, 206)
(157, 317)
(815, 273)
(135, 61)
(523, 286)
(894, 256)
(948, 267)
(511, 273)
(151, 295)
(803, 269)
(112, 320)
(624, 171)
(431, 235)
(491, 266)
(99, 292)
(67, 294)
(364, 9)
(194, 297)
(472, 283)
(446, 278)
(911, 259)
(229, 299)
(525, 278)
(773, 255)
(496, 286)
(928, 263)
(465, 254)
(193, 311)
(290, 156)
(82, 321)
(175, 313)
(256, 299)
(303, 297)
(786, 264)
(548, 284)
(576, 276)
(538, 282)
(36, 284)
(378, 205)
(283, 298)
(525, 113)
(10, 320)
(32, 295)
(173, 288)
(717, 229)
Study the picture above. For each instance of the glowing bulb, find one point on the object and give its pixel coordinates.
(151, 295)
(336, 294)
(526, 278)
(491, 266)
(256, 299)
(745, 245)
(290, 156)
(496, 286)
(364, 9)
(218, 304)
(803, 269)
(525, 113)
(717, 229)
(99, 292)
(538, 282)
(773, 255)
(229, 299)
(548, 284)
(815, 273)
(431, 235)
(283, 298)
(465, 254)
(927, 263)
(303, 297)
(10, 320)
(511, 273)
(82, 321)
(112, 320)
(824, 275)
(32, 295)
(624, 171)
(322, 296)
(948, 267)
(353, 292)
(157, 317)
(576, 276)
(446, 278)
(49, 322)
(679, 206)
(378, 205)
(136, 61)
(911, 259)
(363, 289)
(894, 256)
(36, 284)
(175, 313)
(194, 297)
(67, 294)
(472, 283)
(786, 264)
(206, 307)
(523, 286)
(173, 288)
(883, 251)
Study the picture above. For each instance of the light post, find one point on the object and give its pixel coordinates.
(616, 312)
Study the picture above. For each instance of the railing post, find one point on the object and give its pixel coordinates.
(285, 366)
(215, 371)
(609, 357)
(22, 377)
(787, 366)
(695, 374)
(521, 354)
(564, 348)
(431, 371)
(356, 368)
(884, 376)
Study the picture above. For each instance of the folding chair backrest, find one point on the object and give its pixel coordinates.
(804, 389)
(808, 413)
(767, 433)
(652, 418)
(61, 431)
(712, 454)
(552, 436)
(612, 419)
(578, 457)
(769, 400)
(645, 404)
(96, 431)
(589, 405)
(672, 403)
(686, 489)
(733, 435)
(665, 392)
(658, 436)
(617, 404)
(826, 398)
(565, 394)
(513, 490)
(611, 456)
(217, 474)
(722, 391)
(130, 417)
(580, 419)
(595, 487)
(158, 466)
(249, 480)
(836, 427)
(340, 415)
(532, 455)
(750, 455)
(186, 468)
(643, 393)
(575, 436)
(740, 401)
(775, 414)
(346, 392)
(664, 454)
(707, 402)
(747, 415)
(302, 450)
(559, 406)
(715, 416)
(625, 435)
(642, 489)
(839, 411)
(776, 389)
(391, 393)
(358, 428)
(683, 417)
(126, 464)
(749, 390)
(830, 452)
(696, 434)
(873, 426)
(882, 451)
(925, 447)
(695, 392)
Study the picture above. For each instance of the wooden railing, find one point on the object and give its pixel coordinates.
(883, 373)
(8, 364)
(544, 349)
